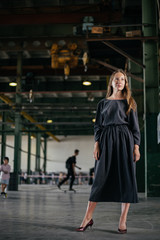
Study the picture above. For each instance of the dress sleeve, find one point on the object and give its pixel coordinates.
(134, 126)
(98, 123)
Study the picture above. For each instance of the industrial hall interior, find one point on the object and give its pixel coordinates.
(56, 62)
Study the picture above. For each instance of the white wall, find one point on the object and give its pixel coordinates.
(57, 152)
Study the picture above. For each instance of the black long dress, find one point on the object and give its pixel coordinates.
(116, 132)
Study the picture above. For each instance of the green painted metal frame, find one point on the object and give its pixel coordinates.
(151, 99)
(17, 131)
(29, 156)
(3, 140)
(38, 145)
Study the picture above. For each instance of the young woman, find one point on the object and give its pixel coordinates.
(116, 150)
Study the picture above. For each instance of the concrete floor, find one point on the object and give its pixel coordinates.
(44, 212)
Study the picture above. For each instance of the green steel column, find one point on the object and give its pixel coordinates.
(29, 156)
(17, 145)
(3, 140)
(45, 154)
(140, 166)
(17, 132)
(38, 144)
(151, 100)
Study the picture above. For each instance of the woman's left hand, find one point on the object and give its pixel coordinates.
(136, 153)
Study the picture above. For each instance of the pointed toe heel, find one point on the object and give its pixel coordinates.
(82, 229)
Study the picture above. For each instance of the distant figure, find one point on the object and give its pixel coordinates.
(70, 165)
(5, 169)
(25, 177)
(40, 176)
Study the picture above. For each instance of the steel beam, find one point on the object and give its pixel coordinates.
(45, 154)
(117, 38)
(40, 70)
(58, 18)
(38, 144)
(115, 48)
(113, 68)
(17, 131)
(29, 156)
(3, 138)
(151, 100)
(27, 44)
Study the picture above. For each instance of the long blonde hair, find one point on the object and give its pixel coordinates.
(126, 91)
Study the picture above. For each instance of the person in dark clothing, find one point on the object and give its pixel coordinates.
(70, 165)
(40, 176)
(116, 151)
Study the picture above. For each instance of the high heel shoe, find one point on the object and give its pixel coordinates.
(122, 231)
(82, 229)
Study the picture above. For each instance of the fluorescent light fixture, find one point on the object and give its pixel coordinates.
(13, 84)
(87, 83)
(49, 121)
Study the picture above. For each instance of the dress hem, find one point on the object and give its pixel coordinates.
(117, 201)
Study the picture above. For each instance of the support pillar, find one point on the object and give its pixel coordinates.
(45, 154)
(17, 131)
(3, 141)
(140, 166)
(29, 157)
(17, 151)
(38, 144)
(151, 99)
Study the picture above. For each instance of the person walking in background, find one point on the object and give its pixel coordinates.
(70, 165)
(5, 169)
(25, 178)
(116, 151)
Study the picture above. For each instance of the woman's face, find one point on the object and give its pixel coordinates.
(118, 82)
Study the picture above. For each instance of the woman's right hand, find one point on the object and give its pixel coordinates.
(96, 152)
